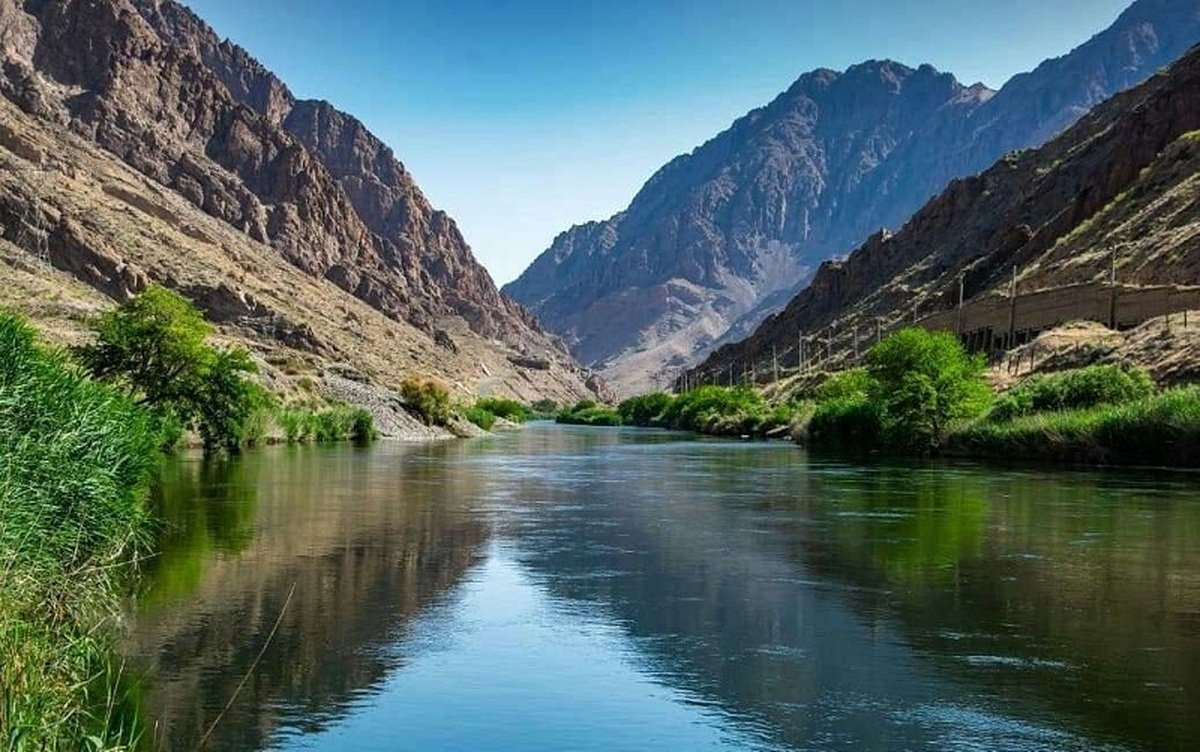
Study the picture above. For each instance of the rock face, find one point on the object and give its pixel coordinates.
(1122, 183)
(151, 84)
(721, 237)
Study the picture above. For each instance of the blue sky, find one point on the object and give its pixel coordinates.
(523, 117)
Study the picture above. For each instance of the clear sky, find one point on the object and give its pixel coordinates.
(523, 117)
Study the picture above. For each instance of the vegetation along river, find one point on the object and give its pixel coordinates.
(609, 589)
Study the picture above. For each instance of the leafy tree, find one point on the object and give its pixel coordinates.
(645, 410)
(920, 381)
(155, 346)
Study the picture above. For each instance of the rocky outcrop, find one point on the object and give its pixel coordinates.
(151, 84)
(1121, 184)
(721, 237)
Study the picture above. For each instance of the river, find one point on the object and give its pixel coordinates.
(607, 589)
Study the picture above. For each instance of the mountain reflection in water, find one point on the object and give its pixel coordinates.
(606, 589)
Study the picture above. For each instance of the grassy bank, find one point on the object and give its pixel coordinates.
(1158, 430)
(921, 394)
(712, 410)
(76, 458)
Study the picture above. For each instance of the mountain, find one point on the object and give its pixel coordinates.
(210, 134)
(721, 237)
(1118, 192)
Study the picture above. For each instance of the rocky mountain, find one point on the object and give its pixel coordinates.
(1117, 193)
(198, 119)
(721, 237)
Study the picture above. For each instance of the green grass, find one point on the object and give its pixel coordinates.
(589, 413)
(1073, 390)
(75, 464)
(306, 425)
(1161, 430)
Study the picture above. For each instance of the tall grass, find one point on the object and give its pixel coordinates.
(303, 425)
(75, 463)
(1161, 430)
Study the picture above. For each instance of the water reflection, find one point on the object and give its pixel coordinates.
(354, 543)
(571, 588)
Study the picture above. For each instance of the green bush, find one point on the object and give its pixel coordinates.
(646, 410)
(508, 409)
(1073, 390)
(429, 399)
(1163, 429)
(543, 409)
(588, 413)
(853, 383)
(480, 417)
(362, 426)
(846, 424)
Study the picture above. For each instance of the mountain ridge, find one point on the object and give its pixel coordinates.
(151, 84)
(810, 182)
(1115, 193)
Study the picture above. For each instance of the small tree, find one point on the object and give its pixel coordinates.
(921, 381)
(154, 345)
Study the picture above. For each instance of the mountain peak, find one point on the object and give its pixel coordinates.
(719, 238)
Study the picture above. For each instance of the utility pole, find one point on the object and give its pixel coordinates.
(1012, 309)
(962, 284)
(1112, 289)
(856, 343)
(775, 362)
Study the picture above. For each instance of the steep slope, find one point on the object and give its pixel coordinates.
(1119, 190)
(151, 85)
(721, 237)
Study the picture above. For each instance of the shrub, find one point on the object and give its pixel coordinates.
(362, 426)
(588, 413)
(429, 399)
(1073, 390)
(480, 417)
(853, 383)
(508, 409)
(847, 424)
(645, 410)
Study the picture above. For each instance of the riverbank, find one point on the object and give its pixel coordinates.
(922, 395)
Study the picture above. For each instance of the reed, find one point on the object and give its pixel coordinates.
(76, 458)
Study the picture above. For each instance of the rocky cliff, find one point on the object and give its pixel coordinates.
(723, 236)
(1117, 192)
(152, 86)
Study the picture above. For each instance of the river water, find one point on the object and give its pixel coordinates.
(604, 589)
